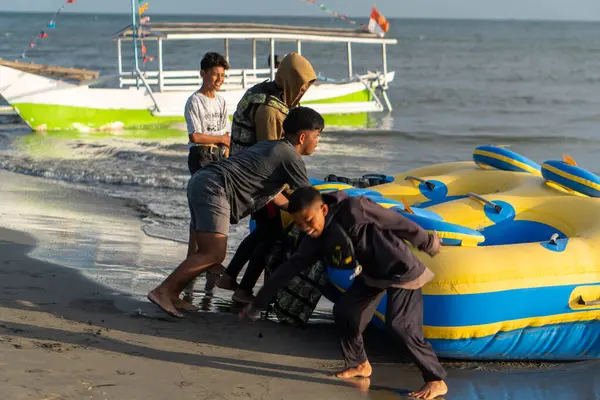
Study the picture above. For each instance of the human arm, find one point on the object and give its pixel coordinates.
(226, 128)
(281, 201)
(268, 124)
(196, 126)
(203, 138)
(403, 228)
(393, 261)
(295, 172)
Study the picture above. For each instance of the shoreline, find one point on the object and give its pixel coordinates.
(73, 330)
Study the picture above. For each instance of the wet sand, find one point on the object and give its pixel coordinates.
(74, 323)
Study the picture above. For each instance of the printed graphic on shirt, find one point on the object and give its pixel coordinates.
(206, 115)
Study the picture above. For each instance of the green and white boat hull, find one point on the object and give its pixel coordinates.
(46, 103)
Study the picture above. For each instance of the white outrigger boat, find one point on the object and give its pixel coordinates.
(66, 98)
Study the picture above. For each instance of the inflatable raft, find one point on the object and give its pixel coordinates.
(518, 276)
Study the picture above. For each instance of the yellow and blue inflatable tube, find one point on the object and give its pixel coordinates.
(504, 159)
(531, 288)
(571, 177)
(450, 234)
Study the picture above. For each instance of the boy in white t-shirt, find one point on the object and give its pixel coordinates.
(208, 127)
(206, 115)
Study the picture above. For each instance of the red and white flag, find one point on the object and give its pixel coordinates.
(377, 23)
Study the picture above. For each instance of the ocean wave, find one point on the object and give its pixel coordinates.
(57, 169)
(480, 135)
(471, 99)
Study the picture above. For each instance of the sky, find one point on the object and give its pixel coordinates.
(585, 10)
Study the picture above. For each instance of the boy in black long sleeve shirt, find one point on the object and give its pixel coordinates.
(377, 238)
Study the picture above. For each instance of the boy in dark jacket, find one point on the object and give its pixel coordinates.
(376, 237)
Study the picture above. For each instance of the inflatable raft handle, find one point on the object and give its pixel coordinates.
(430, 185)
(553, 239)
(497, 207)
(588, 303)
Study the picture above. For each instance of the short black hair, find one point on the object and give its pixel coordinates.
(302, 119)
(303, 198)
(211, 60)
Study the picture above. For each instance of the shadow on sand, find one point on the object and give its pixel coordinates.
(29, 284)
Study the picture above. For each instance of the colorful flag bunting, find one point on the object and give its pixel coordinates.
(50, 25)
(377, 22)
(143, 21)
(326, 9)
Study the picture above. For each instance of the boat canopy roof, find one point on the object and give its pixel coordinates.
(211, 30)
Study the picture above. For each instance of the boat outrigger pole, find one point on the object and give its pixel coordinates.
(134, 33)
(138, 74)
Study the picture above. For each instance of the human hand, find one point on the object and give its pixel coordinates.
(225, 140)
(436, 245)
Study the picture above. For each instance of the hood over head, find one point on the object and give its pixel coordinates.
(294, 73)
(335, 197)
(333, 200)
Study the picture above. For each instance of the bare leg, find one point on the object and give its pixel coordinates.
(192, 243)
(431, 390)
(211, 251)
(192, 249)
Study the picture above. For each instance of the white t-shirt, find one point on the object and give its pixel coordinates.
(206, 115)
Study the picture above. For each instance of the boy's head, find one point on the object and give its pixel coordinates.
(212, 70)
(308, 210)
(303, 127)
(295, 75)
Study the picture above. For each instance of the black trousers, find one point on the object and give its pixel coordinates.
(404, 316)
(255, 248)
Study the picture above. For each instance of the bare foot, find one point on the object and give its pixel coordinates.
(431, 390)
(363, 370)
(163, 300)
(181, 304)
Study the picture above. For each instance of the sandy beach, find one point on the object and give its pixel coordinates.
(74, 323)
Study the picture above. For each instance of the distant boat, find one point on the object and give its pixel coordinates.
(52, 97)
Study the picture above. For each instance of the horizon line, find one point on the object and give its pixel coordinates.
(317, 17)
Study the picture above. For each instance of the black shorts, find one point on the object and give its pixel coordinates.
(200, 156)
